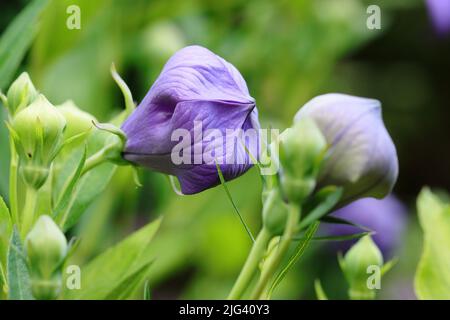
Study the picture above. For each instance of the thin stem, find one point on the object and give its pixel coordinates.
(29, 210)
(274, 260)
(94, 161)
(251, 265)
(13, 169)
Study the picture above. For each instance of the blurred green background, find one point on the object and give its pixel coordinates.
(289, 52)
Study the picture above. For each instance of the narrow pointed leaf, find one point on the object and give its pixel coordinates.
(67, 192)
(16, 40)
(300, 249)
(330, 199)
(222, 181)
(116, 272)
(320, 293)
(336, 220)
(19, 285)
(337, 238)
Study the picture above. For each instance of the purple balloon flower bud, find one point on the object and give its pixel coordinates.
(199, 93)
(439, 11)
(361, 157)
(387, 217)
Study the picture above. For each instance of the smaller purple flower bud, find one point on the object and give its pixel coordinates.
(362, 157)
(439, 11)
(199, 93)
(387, 217)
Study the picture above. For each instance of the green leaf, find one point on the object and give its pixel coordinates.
(90, 185)
(127, 286)
(147, 291)
(337, 220)
(337, 238)
(300, 249)
(388, 266)
(326, 198)
(224, 184)
(320, 293)
(67, 192)
(4, 155)
(5, 231)
(116, 272)
(16, 40)
(19, 286)
(432, 280)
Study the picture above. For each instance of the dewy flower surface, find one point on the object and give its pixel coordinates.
(195, 86)
(362, 157)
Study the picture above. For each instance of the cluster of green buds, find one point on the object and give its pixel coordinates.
(37, 131)
(301, 151)
(41, 130)
(46, 248)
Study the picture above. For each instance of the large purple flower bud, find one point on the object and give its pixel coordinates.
(361, 157)
(439, 11)
(201, 94)
(387, 217)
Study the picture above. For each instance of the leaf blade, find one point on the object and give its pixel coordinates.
(324, 206)
(19, 283)
(106, 272)
(223, 183)
(301, 247)
(17, 38)
(432, 279)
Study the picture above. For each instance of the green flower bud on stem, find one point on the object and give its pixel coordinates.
(38, 136)
(77, 120)
(20, 94)
(357, 265)
(46, 248)
(302, 148)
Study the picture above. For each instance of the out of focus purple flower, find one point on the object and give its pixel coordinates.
(439, 11)
(362, 157)
(387, 217)
(195, 86)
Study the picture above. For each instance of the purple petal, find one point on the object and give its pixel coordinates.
(195, 86)
(387, 217)
(362, 156)
(439, 11)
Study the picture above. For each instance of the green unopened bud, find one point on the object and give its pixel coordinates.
(358, 266)
(302, 148)
(20, 94)
(78, 121)
(38, 136)
(46, 248)
(275, 212)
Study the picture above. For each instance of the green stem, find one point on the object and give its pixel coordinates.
(94, 161)
(274, 260)
(29, 210)
(13, 169)
(251, 265)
